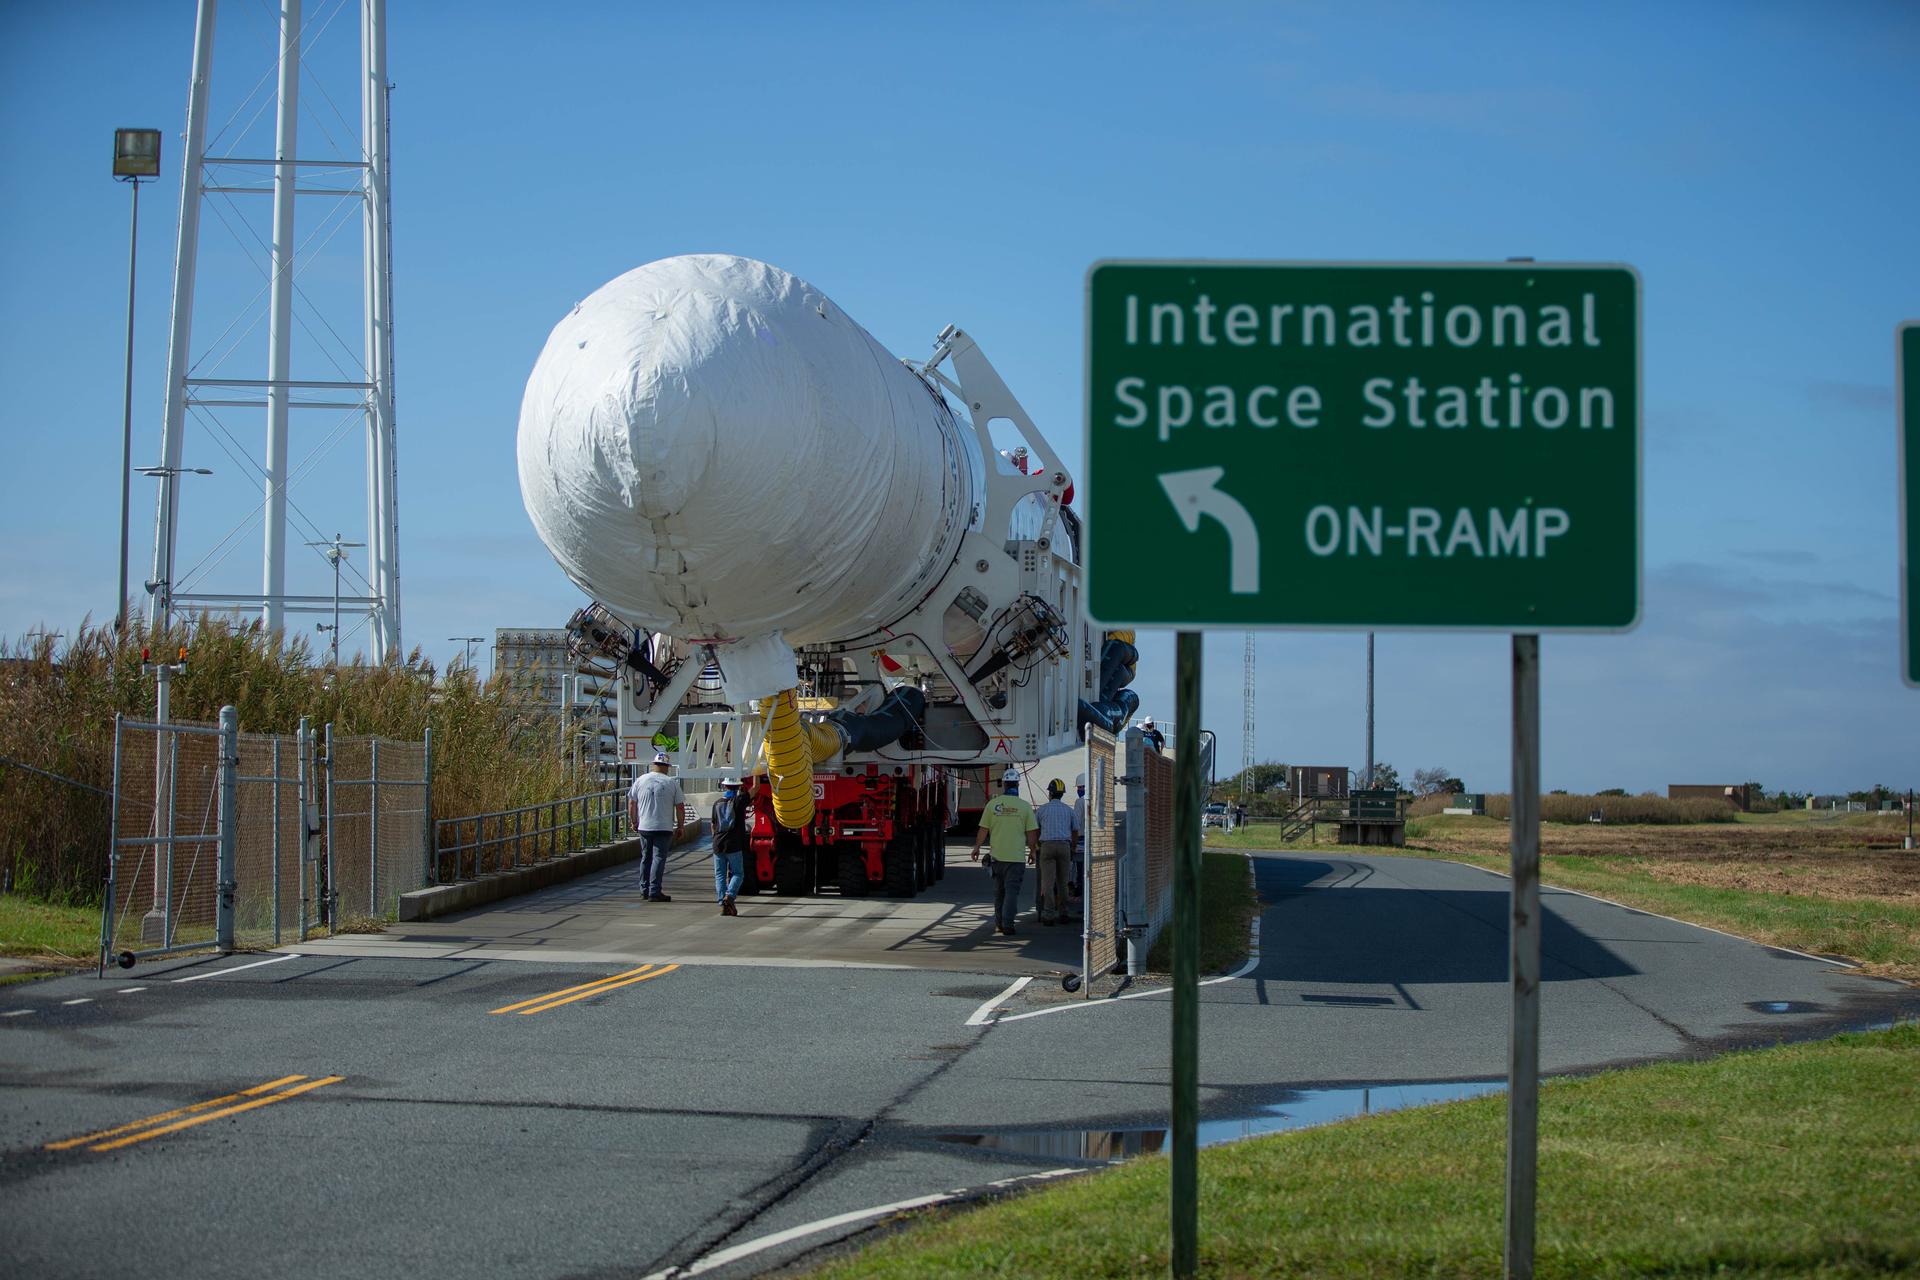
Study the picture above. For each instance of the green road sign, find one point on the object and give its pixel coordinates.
(1908, 359)
(1379, 446)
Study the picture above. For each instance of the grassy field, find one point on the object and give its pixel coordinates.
(1228, 905)
(32, 928)
(1828, 884)
(1796, 1161)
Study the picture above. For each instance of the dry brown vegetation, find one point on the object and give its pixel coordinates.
(493, 747)
(1581, 808)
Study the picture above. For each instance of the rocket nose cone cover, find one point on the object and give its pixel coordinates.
(712, 448)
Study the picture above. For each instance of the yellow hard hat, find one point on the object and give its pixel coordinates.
(1056, 788)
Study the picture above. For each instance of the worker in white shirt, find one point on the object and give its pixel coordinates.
(655, 806)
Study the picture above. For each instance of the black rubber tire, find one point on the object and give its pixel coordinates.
(853, 874)
(898, 861)
(791, 874)
(939, 855)
(923, 855)
(750, 882)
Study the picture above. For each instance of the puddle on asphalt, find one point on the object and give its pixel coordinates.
(1301, 1111)
(1783, 1006)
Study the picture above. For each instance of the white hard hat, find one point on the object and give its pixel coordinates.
(661, 757)
(1079, 779)
(729, 781)
(1011, 775)
(1146, 722)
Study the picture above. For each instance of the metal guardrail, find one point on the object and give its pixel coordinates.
(483, 843)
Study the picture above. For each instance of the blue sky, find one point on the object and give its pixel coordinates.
(926, 165)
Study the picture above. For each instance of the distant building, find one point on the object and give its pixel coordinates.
(580, 701)
(1740, 796)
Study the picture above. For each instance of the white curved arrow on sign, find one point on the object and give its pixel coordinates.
(1193, 495)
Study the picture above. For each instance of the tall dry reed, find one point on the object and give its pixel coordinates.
(494, 746)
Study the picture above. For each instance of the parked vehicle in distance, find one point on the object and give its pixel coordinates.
(1215, 815)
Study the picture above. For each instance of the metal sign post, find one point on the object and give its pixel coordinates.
(1186, 956)
(1367, 446)
(1523, 1042)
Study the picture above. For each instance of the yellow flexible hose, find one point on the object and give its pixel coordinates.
(789, 761)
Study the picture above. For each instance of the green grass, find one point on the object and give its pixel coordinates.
(32, 928)
(1228, 904)
(1796, 1161)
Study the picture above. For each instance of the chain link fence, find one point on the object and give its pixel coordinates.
(1101, 848)
(315, 832)
(1129, 853)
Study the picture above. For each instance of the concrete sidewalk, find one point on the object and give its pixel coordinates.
(603, 917)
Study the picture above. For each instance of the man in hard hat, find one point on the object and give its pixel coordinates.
(1007, 822)
(729, 845)
(1155, 739)
(655, 806)
(1058, 829)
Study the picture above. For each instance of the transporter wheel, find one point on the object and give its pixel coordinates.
(750, 881)
(791, 874)
(939, 854)
(898, 860)
(853, 873)
(922, 857)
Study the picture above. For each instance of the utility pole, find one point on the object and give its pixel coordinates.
(335, 550)
(1246, 724)
(1369, 778)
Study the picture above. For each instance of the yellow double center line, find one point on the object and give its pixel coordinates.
(232, 1104)
(554, 999)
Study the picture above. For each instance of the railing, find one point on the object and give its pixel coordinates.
(483, 843)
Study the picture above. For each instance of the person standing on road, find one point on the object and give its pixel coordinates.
(729, 845)
(1015, 844)
(1058, 828)
(656, 806)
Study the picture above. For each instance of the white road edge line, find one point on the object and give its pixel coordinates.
(129, 991)
(1594, 897)
(778, 1238)
(1253, 962)
(982, 1015)
(81, 1000)
(16, 1013)
(221, 973)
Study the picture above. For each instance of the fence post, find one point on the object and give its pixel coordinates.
(330, 900)
(276, 839)
(429, 850)
(373, 834)
(229, 767)
(303, 797)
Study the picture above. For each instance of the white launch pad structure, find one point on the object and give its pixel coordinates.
(363, 383)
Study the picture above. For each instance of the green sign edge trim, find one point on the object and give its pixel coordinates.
(1639, 447)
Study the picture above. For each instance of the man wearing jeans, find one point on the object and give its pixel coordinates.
(1015, 845)
(729, 846)
(655, 805)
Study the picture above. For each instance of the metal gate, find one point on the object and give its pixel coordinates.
(169, 872)
(1100, 846)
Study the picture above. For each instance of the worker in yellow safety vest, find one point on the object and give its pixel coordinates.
(1013, 835)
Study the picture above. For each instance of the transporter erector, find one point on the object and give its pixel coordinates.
(810, 561)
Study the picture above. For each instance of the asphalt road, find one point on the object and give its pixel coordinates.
(463, 1114)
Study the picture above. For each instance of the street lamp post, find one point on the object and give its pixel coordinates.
(469, 641)
(136, 155)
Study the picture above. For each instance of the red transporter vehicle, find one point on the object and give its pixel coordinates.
(873, 829)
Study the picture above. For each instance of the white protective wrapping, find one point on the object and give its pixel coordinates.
(713, 449)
